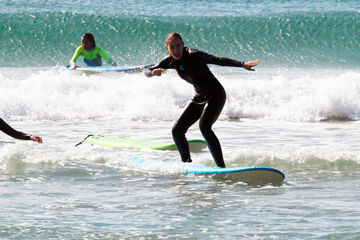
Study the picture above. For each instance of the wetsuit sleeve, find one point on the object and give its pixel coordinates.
(221, 61)
(12, 132)
(165, 64)
(76, 56)
(105, 56)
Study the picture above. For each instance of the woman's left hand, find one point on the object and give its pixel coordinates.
(248, 65)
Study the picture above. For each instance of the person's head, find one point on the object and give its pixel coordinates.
(174, 45)
(88, 41)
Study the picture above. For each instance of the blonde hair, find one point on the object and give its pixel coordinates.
(171, 36)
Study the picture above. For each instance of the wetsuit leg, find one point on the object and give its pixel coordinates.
(210, 114)
(191, 114)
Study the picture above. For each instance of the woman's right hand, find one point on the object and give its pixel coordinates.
(157, 71)
(36, 139)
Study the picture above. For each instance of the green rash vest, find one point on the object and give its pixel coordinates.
(90, 54)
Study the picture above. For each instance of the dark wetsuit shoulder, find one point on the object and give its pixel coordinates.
(192, 67)
(12, 132)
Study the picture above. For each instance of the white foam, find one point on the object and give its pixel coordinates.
(291, 95)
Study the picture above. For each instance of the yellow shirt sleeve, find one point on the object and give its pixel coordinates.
(77, 53)
(104, 55)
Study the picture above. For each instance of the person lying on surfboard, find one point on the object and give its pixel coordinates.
(210, 96)
(16, 134)
(90, 52)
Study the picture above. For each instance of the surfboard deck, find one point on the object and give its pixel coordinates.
(95, 69)
(196, 145)
(250, 175)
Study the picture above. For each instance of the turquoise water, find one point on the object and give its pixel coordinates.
(289, 34)
(299, 113)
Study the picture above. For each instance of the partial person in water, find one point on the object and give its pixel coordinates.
(92, 54)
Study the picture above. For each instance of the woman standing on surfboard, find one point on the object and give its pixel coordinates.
(209, 100)
(90, 52)
(16, 134)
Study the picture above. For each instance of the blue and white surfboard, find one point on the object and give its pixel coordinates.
(250, 175)
(112, 68)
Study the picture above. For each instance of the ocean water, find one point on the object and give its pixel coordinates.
(299, 112)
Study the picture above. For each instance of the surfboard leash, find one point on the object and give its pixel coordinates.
(90, 135)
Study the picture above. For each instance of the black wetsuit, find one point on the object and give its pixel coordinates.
(12, 132)
(207, 103)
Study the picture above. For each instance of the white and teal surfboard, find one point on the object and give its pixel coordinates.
(196, 145)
